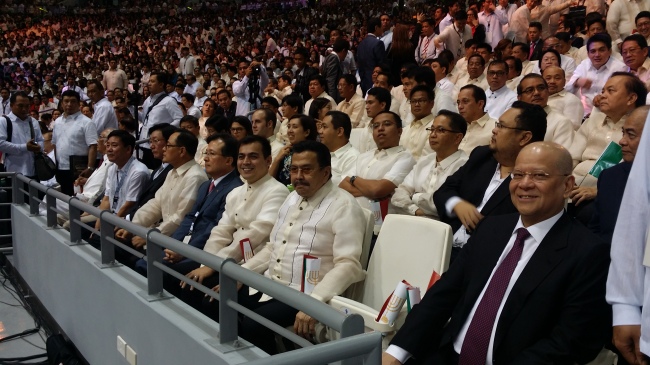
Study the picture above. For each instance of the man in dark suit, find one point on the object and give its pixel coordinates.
(158, 136)
(220, 161)
(536, 43)
(227, 108)
(612, 181)
(303, 73)
(528, 288)
(370, 53)
(332, 68)
(480, 187)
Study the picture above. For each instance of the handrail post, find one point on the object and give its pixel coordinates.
(33, 203)
(227, 315)
(155, 253)
(353, 325)
(50, 203)
(75, 228)
(107, 247)
(19, 198)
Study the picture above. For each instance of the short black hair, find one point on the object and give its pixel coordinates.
(537, 25)
(443, 63)
(398, 119)
(525, 48)
(321, 80)
(341, 120)
(244, 122)
(499, 63)
(126, 138)
(160, 76)
(518, 65)
(423, 75)
(532, 118)
(189, 118)
(529, 76)
(475, 55)
(340, 45)
(423, 88)
(323, 155)
(633, 86)
(252, 138)
(373, 23)
(230, 146)
(600, 37)
(217, 122)
(316, 105)
(456, 121)
(294, 101)
(22, 94)
(382, 95)
(477, 92)
(189, 97)
(642, 14)
(271, 100)
(187, 140)
(71, 93)
(484, 45)
(638, 38)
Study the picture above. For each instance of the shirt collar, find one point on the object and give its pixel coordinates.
(13, 116)
(424, 121)
(71, 116)
(451, 159)
(539, 230)
(154, 97)
(390, 151)
(182, 169)
(341, 151)
(219, 179)
(259, 182)
(482, 120)
(320, 194)
(500, 91)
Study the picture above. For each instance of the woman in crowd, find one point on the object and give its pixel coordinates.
(301, 127)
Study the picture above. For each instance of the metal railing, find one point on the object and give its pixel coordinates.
(354, 347)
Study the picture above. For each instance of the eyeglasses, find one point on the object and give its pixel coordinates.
(385, 124)
(530, 90)
(496, 73)
(500, 125)
(642, 24)
(440, 130)
(537, 176)
(237, 130)
(630, 51)
(419, 101)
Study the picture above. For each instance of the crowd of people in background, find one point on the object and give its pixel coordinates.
(228, 126)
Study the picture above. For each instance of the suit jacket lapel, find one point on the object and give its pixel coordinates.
(547, 256)
(502, 192)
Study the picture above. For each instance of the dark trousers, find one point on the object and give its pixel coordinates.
(65, 178)
(260, 336)
(148, 159)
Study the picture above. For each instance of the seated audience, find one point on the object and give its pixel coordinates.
(471, 105)
(334, 132)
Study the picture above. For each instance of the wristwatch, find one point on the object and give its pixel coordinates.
(352, 178)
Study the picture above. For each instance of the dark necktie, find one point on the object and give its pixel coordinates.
(211, 186)
(477, 339)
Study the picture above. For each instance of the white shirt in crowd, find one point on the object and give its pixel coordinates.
(343, 162)
(72, 136)
(125, 184)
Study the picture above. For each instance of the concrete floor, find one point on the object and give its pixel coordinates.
(16, 319)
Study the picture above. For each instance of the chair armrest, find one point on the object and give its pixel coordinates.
(369, 314)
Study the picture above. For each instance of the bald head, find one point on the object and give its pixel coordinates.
(560, 156)
(555, 79)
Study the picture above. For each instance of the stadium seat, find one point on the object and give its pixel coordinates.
(408, 248)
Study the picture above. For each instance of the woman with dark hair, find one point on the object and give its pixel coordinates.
(301, 127)
(208, 110)
(400, 52)
(240, 127)
(319, 108)
(503, 49)
(550, 57)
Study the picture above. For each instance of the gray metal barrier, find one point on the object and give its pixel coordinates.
(7, 204)
(354, 347)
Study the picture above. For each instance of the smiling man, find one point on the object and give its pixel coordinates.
(561, 100)
(334, 132)
(528, 288)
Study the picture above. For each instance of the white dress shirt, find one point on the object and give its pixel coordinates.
(493, 24)
(125, 184)
(519, 24)
(620, 18)
(568, 64)
(479, 133)
(598, 79)
(329, 225)
(416, 191)
(568, 105)
(72, 135)
(628, 282)
(187, 65)
(415, 137)
(510, 10)
(104, 116)
(392, 164)
(251, 211)
(537, 233)
(445, 85)
(499, 101)
(454, 39)
(559, 128)
(191, 88)
(16, 156)
(4, 105)
(344, 162)
(355, 109)
(166, 111)
(173, 200)
(445, 22)
(242, 94)
(322, 95)
(480, 81)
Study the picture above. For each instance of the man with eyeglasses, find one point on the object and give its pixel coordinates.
(379, 171)
(567, 63)
(642, 21)
(622, 93)
(534, 90)
(414, 195)
(471, 106)
(220, 161)
(635, 56)
(480, 187)
(527, 289)
(499, 96)
(177, 194)
(414, 136)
